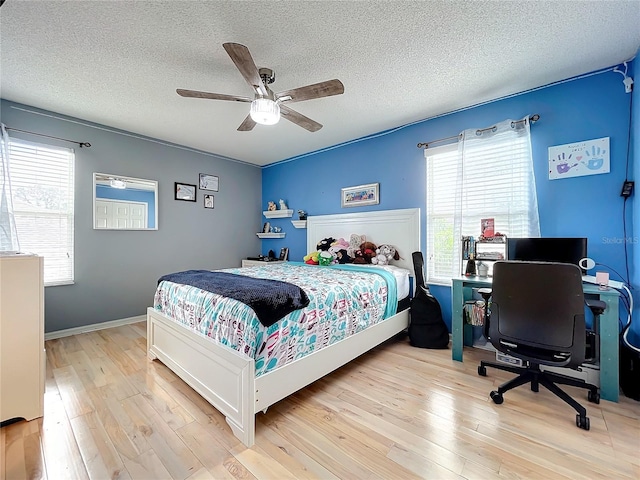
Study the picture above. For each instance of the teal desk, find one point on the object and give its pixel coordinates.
(608, 329)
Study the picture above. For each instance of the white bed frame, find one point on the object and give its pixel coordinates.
(226, 379)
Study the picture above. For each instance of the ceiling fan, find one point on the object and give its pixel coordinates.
(267, 106)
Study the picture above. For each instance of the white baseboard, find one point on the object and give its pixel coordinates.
(92, 328)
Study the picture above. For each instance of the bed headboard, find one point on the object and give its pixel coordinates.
(400, 228)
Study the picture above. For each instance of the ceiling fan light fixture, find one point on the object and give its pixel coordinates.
(118, 183)
(265, 111)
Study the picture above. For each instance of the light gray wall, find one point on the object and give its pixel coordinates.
(116, 271)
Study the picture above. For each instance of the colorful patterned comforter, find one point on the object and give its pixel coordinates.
(342, 303)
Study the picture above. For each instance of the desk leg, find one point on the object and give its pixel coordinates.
(457, 321)
(609, 346)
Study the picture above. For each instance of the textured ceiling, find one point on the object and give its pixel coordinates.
(118, 63)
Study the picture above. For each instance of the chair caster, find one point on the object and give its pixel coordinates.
(582, 422)
(496, 397)
(482, 371)
(593, 397)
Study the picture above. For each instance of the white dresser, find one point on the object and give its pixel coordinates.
(22, 355)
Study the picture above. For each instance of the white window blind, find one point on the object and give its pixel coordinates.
(489, 174)
(42, 183)
(441, 204)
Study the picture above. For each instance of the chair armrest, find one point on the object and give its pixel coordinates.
(597, 306)
(485, 292)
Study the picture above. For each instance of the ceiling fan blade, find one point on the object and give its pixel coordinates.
(317, 90)
(244, 62)
(299, 119)
(247, 125)
(212, 96)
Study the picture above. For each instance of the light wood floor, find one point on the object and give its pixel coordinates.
(396, 412)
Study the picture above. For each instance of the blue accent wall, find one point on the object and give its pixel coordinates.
(585, 108)
(634, 203)
(131, 195)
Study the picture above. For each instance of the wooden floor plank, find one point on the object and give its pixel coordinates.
(395, 412)
(177, 458)
(22, 455)
(100, 457)
(61, 452)
(146, 466)
(203, 442)
(119, 426)
(293, 459)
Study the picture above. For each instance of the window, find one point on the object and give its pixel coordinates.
(488, 174)
(441, 203)
(42, 185)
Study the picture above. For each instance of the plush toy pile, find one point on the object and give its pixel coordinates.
(357, 250)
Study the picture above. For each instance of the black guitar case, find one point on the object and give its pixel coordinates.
(427, 328)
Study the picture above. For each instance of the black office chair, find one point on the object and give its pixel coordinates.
(537, 315)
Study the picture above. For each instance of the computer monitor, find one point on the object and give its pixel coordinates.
(547, 249)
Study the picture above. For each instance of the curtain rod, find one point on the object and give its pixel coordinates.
(533, 119)
(82, 144)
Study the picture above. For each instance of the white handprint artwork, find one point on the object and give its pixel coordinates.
(590, 157)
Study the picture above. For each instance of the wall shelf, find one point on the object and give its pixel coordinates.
(270, 235)
(299, 223)
(278, 213)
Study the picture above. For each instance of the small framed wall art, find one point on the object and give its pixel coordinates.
(361, 195)
(209, 182)
(208, 201)
(185, 191)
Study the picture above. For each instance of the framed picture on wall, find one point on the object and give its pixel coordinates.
(361, 195)
(185, 191)
(209, 182)
(208, 201)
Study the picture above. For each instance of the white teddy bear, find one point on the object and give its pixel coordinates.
(384, 255)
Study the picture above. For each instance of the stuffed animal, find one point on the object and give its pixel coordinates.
(343, 257)
(384, 255)
(339, 251)
(325, 243)
(342, 243)
(272, 206)
(354, 244)
(325, 258)
(365, 253)
(311, 258)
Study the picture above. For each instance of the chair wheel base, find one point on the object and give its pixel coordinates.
(482, 371)
(593, 397)
(582, 422)
(496, 397)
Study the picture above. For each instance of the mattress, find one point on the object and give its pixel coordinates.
(402, 278)
(342, 303)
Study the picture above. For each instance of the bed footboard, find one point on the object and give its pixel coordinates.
(227, 380)
(223, 377)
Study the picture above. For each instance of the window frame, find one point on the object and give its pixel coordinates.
(465, 188)
(55, 172)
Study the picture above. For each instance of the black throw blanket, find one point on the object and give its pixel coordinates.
(270, 299)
